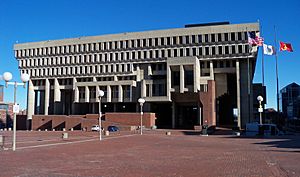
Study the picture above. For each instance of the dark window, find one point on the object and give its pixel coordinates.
(240, 49)
(163, 53)
(175, 52)
(180, 40)
(239, 36)
(220, 37)
(220, 50)
(215, 64)
(213, 51)
(233, 63)
(233, 49)
(162, 41)
(200, 51)
(226, 50)
(189, 77)
(213, 38)
(206, 38)
(181, 52)
(156, 42)
(247, 49)
(156, 54)
(194, 52)
(174, 40)
(187, 39)
(145, 54)
(175, 78)
(168, 41)
(133, 55)
(187, 51)
(138, 43)
(150, 42)
(206, 50)
(199, 38)
(227, 64)
(144, 42)
(169, 53)
(221, 64)
(226, 36)
(232, 36)
(193, 39)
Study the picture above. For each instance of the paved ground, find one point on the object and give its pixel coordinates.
(183, 153)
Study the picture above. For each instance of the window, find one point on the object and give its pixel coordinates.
(193, 39)
(220, 50)
(226, 36)
(187, 39)
(213, 38)
(199, 38)
(189, 77)
(220, 37)
(206, 50)
(213, 50)
(187, 51)
(240, 49)
(174, 40)
(206, 38)
(180, 40)
(226, 50)
(194, 51)
(233, 49)
(232, 36)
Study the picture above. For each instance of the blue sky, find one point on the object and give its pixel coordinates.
(35, 20)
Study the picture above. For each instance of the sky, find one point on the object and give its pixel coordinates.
(35, 20)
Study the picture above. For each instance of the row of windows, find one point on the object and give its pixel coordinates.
(141, 54)
(126, 90)
(130, 44)
(79, 70)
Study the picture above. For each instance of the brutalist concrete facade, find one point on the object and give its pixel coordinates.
(188, 76)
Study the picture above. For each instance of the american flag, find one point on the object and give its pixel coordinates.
(255, 39)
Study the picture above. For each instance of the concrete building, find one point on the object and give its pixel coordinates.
(186, 75)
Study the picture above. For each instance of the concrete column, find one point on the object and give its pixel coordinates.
(87, 94)
(138, 73)
(57, 95)
(76, 95)
(97, 92)
(238, 93)
(47, 95)
(149, 70)
(169, 78)
(120, 99)
(211, 70)
(173, 114)
(143, 88)
(108, 93)
(30, 100)
(196, 69)
(181, 79)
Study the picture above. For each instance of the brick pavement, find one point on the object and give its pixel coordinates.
(152, 154)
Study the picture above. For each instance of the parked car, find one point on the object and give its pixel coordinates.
(113, 128)
(96, 128)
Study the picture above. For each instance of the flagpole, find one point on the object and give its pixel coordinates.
(248, 79)
(262, 71)
(277, 80)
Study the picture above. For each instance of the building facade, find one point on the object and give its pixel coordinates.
(290, 101)
(187, 76)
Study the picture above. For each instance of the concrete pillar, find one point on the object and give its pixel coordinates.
(196, 69)
(76, 95)
(181, 79)
(143, 88)
(87, 94)
(169, 78)
(211, 70)
(30, 100)
(173, 114)
(97, 93)
(57, 95)
(238, 93)
(120, 99)
(138, 73)
(149, 70)
(108, 93)
(47, 95)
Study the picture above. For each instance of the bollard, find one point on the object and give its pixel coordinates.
(46, 129)
(72, 129)
(5, 129)
(64, 129)
(39, 130)
(106, 133)
(53, 129)
(9, 129)
(1, 141)
(64, 136)
(168, 133)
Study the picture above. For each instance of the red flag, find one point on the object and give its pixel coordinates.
(286, 46)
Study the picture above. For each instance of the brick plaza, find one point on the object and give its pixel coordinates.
(151, 154)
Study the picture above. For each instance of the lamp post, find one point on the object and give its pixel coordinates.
(141, 101)
(260, 109)
(7, 76)
(101, 94)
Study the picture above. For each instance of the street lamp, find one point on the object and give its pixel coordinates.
(100, 94)
(141, 101)
(7, 76)
(260, 109)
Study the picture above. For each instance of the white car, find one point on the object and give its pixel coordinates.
(96, 128)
